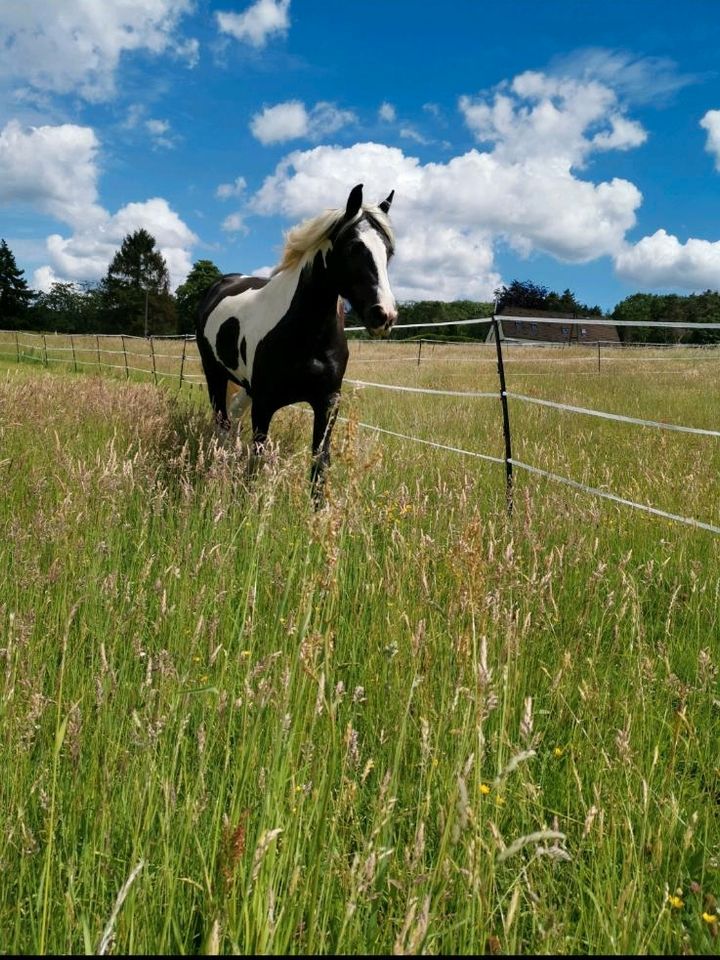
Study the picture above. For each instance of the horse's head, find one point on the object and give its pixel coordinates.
(362, 246)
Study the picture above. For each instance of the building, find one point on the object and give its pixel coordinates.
(529, 328)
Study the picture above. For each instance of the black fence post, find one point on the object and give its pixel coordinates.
(419, 350)
(45, 350)
(505, 415)
(72, 347)
(17, 346)
(97, 347)
(127, 372)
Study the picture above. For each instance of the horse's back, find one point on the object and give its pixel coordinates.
(229, 285)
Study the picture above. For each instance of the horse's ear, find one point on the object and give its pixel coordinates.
(354, 202)
(385, 205)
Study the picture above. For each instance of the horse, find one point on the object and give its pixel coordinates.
(267, 342)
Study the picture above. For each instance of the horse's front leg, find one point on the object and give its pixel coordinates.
(261, 418)
(325, 416)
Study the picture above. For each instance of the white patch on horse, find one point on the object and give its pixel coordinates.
(376, 245)
(257, 311)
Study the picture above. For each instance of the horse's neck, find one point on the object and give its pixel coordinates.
(315, 294)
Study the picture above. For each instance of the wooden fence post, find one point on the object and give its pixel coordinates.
(598, 346)
(45, 360)
(17, 346)
(152, 354)
(419, 350)
(97, 347)
(72, 347)
(506, 417)
(182, 360)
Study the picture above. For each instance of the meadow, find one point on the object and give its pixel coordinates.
(406, 723)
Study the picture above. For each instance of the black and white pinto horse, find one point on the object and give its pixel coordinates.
(269, 342)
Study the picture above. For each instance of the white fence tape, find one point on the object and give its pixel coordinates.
(612, 416)
(606, 495)
(437, 393)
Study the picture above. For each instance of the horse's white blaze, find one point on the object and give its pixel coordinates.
(377, 248)
(257, 311)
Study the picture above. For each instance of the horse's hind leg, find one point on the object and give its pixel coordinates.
(217, 383)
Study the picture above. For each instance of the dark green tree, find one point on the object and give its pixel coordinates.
(203, 274)
(135, 292)
(67, 308)
(15, 296)
(534, 296)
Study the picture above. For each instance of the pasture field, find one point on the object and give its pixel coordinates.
(405, 723)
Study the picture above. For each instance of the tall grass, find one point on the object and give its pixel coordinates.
(406, 723)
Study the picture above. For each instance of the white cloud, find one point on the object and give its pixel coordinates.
(55, 170)
(86, 254)
(291, 120)
(234, 189)
(458, 210)
(711, 123)
(387, 112)
(161, 134)
(235, 223)
(258, 23)
(661, 260)
(284, 121)
(78, 49)
(555, 120)
(638, 80)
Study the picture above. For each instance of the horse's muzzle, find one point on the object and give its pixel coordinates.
(379, 320)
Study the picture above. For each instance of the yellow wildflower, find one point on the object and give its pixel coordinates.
(676, 902)
(484, 789)
(710, 917)
(558, 752)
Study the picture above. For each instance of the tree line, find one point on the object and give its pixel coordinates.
(134, 298)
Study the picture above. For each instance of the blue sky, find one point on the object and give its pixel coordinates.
(571, 143)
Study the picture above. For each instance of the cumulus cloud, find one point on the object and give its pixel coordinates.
(235, 223)
(234, 189)
(258, 23)
(661, 260)
(557, 120)
(522, 188)
(161, 133)
(467, 204)
(711, 123)
(291, 120)
(55, 170)
(79, 51)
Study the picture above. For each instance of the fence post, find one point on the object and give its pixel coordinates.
(506, 417)
(127, 372)
(598, 345)
(152, 354)
(45, 359)
(419, 350)
(72, 347)
(97, 347)
(182, 360)
(17, 346)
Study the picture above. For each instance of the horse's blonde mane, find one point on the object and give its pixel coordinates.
(305, 240)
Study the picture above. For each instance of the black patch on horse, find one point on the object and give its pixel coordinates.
(227, 343)
(243, 350)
